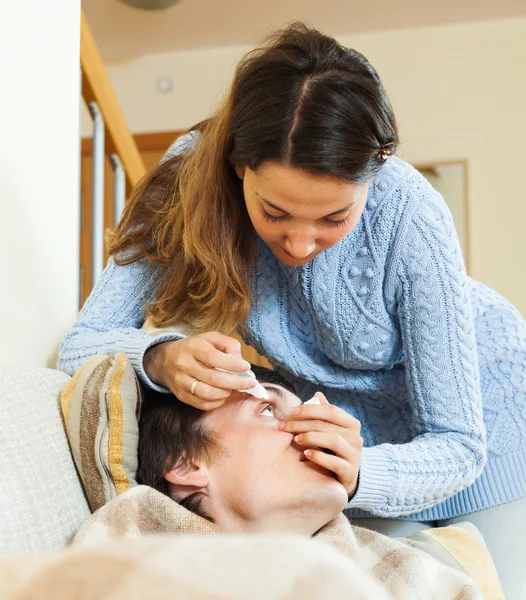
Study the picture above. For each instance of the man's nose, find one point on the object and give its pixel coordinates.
(300, 247)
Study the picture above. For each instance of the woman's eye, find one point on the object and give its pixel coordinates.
(340, 223)
(272, 218)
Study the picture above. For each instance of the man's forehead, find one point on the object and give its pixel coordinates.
(274, 388)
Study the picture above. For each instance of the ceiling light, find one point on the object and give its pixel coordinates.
(151, 4)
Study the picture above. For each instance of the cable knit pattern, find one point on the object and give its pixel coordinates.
(111, 318)
(388, 325)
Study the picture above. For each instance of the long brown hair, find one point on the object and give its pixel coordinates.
(300, 100)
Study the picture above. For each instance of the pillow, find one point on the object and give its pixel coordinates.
(101, 405)
(462, 547)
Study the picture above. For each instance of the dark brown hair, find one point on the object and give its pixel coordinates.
(172, 433)
(301, 100)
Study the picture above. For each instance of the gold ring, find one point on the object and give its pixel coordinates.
(194, 385)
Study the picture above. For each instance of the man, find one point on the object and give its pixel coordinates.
(245, 471)
(239, 468)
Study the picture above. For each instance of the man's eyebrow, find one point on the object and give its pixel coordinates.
(280, 391)
(273, 387)
(336, 212)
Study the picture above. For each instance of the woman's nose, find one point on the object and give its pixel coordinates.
(300, 247)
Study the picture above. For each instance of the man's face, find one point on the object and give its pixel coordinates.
(263, 482)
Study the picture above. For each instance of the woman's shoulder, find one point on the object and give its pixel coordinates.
(398, 178)
(401, 189)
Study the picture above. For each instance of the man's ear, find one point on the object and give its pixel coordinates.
(188, 474)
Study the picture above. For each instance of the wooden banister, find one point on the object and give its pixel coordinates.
(96, 87)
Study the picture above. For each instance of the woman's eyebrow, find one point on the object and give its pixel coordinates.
(336, 212)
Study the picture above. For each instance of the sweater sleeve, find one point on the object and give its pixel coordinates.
(448, 450)
(111, 320)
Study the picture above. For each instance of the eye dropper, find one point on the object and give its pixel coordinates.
(258, 391)
(283, 412)
(313, 400)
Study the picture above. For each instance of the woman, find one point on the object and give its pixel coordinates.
(286, 216)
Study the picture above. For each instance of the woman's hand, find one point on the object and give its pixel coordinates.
(179, 364)
(336, 436)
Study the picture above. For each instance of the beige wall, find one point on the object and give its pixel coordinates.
(458, 91)
(39, 186)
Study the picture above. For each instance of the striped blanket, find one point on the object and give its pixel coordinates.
(443, 567)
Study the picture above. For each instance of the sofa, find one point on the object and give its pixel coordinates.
(43, 504)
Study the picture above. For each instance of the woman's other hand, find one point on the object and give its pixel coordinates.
(332, 438)
(191, 364)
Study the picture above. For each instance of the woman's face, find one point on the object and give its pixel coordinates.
(299, 214)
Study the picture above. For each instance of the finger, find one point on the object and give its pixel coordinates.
(328, 441)
(202, 390)
(197, 402)
(205, 352)
(202, 404)
(226, 344)
(218, 379)
(206, 406)
(325, 412)
(321, 398)
(293, 426)
(344, 471)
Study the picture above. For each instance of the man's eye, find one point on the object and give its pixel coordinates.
(269, 408)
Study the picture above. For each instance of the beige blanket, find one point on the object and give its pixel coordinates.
(190, 567)
(405, 572)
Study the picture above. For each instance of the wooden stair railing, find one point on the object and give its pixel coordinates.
(111, 139)
(96, 87)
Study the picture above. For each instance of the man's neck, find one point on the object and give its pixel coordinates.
(306, 523)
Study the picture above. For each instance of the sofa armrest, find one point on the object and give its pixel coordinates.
(42, 502)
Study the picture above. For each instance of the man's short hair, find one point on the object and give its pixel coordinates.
(264, 375)
(172, 432)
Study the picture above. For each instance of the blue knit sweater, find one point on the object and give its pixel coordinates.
(388, 325)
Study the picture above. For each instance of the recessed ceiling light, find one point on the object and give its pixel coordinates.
(151, 4)
(164, 84)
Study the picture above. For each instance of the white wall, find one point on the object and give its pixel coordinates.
(458, 91)
(39, 129)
